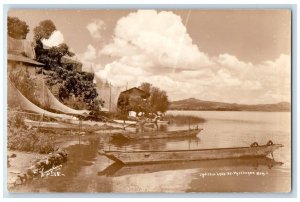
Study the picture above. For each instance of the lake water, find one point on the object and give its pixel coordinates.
(86, 171)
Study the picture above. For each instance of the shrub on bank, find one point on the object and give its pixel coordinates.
(22, 139)
(19, 137)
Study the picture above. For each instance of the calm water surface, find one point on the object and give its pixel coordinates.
(86, 171)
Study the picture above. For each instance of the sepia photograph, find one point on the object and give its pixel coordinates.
(148, 100)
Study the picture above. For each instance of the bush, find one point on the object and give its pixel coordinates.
(17, 28)
(23, 139)
(29, 140)
(15, 120)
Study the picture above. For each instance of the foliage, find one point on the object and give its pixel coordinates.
(29, 140)
(44, 30)
(146, 87)
(23, 139)
(15, 120)
(138, 104)
(158, 99)
(123, 106)
(17, 28)
(156, 102)
(51, 57)
(73, 86)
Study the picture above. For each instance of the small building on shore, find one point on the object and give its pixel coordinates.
(127, 96)
(135, 92)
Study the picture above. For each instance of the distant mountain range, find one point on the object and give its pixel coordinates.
(195, 104)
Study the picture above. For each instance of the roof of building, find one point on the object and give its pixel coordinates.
(135, 89)
(20, 58)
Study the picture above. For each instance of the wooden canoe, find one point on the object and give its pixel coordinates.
(134, 122)
(62, 126)
(156, 134)
(119, 169)
(142, 157)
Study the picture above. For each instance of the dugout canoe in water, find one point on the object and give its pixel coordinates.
(142, 157)
(119, 169)
(156, 134)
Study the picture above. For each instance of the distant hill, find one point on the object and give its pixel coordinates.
(195, 104)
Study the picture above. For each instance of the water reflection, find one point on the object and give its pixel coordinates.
(118, 169)
(78, 172)
(151, 144)
(86, 171)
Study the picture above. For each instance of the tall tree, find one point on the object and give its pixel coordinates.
(44, 30)
(52, 57)
(17, 28)
(158, 100)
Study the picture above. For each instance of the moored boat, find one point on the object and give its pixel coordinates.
(156, 134)
(119, 169)
(142, 157)
(63, 126)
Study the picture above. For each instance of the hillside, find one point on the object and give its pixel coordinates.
(195, 104)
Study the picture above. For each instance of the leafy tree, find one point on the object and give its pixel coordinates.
(70, 82)
(44, 30)
(123, 106)
(17, 28)
(52, 57)
(138, 104)
(156, 102)
(78, 84)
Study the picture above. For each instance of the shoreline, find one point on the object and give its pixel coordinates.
(19, 163)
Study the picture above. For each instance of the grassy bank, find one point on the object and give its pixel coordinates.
(183, 119)
(22, 138)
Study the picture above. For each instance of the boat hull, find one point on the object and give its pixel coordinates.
(157, 134)
(62, 126)
(118, 169)
(142, 157)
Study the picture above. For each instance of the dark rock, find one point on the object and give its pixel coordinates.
(13, 156)
(30, 172)
(23, 177)
(58, 159)
(64, 154)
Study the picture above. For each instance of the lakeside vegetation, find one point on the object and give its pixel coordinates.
(21, 138)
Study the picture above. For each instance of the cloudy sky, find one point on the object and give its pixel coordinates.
(216, 55)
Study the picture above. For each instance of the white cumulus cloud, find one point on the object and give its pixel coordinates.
(159, 38)
(155, 47)
(90, 54)
(95, 28)
(55, 39)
